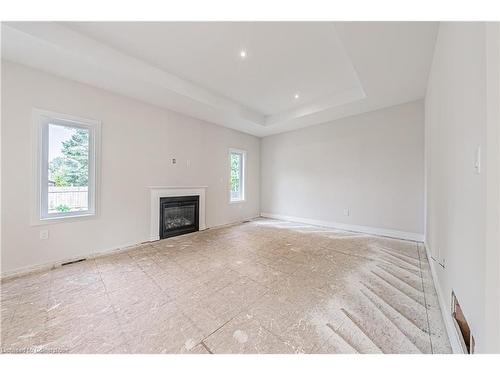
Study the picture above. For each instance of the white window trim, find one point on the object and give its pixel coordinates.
(41, 120)
(243, 175)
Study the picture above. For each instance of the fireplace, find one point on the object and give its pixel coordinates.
(179, 215)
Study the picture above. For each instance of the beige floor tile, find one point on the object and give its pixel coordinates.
(199, 349)
(162, 333)
(244, 334)
(265, 286)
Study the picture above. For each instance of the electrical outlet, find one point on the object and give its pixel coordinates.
(346, 212)
(44, 234)
(174, 161)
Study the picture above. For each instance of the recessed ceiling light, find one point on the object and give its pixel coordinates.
(296, 96)
(243, 53)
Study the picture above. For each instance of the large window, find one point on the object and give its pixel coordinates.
(237, 175)
(67, 160)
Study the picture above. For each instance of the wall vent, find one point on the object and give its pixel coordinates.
(73, 261)
(461, 325)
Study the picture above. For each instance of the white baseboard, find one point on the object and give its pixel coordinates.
(445, 308)
(234, 222)
(17, 272)
(349, 227)
(54, 264)
(57, 263)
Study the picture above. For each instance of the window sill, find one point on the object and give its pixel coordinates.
(238, 201)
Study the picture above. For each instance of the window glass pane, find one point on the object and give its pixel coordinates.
(236, 160)
(68, 174)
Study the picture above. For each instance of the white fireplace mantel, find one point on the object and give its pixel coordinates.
(157, 192)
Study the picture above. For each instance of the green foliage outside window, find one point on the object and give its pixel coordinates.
(63, 208)
(235, 172)
(71, 169)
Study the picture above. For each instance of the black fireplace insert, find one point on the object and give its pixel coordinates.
(179, 215)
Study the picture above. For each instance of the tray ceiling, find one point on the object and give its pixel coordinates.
(258, 77)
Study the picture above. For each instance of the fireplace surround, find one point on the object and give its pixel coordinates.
(158, 192)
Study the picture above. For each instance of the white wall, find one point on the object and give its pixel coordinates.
(456, 118)
(372, 164)
(492, 170)
(138, 141)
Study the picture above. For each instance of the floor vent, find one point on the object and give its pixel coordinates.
(74, 261)
(461, 325)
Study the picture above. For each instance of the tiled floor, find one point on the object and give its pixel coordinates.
(260, 287)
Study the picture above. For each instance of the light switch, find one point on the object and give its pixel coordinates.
(44, 234)
(346, 212)
(477, 164)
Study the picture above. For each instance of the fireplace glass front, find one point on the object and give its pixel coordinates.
(178, 215)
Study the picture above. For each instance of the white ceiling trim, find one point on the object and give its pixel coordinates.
(59, 50)
(321, 105)
(336, 100)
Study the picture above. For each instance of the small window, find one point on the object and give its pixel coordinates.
(67, 160)
(237, 175)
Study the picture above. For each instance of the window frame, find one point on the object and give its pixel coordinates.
(41, 121)
(243, 154)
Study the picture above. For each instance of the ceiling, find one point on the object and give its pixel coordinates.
(292, 75)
